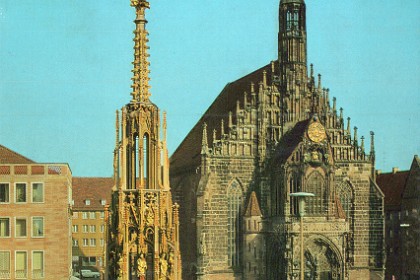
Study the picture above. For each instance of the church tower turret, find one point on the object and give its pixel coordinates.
(292, 61)
(292, 38)
(143, 223)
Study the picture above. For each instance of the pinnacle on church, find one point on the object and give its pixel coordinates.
(140, 87)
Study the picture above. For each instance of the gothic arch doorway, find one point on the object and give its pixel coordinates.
(322, 260)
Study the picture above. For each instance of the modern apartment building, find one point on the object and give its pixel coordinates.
(90, 195)
(35, 235)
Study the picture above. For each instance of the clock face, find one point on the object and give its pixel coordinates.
(316, 132)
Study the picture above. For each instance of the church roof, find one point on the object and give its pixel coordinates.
(8, 156)
(290, 140)
(94, 189)
(392, 185)
(187, 155)
(253, 207)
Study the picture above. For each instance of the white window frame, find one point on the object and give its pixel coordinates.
(75, 228)
(75, 215)
(102, 215)
(26, 262)
(26, 192)
(85, 228)
(10, 227)
(102, 242)
(85, 244)
(43, 227)
(8, 198)
(92, 242)
(10, 265)
(43, 192)
(102, 228)
(85, 215)
(26, 225)
(92, 228)
(87, 202)
(75, 242)
(90, 215)
(43, 264)
(103, 202)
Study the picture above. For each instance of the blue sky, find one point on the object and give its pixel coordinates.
(65, 69)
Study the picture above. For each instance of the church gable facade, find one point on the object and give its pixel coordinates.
(269, 134)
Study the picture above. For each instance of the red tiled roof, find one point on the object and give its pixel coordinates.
(253, 208)
(392, 185)
(187, 155)
(8, 156)
(93, 188)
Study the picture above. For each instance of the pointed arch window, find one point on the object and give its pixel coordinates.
(234, 194)
(316, 205)
(294, 186)
(345, 195)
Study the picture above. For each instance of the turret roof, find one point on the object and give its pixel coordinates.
(253, 207)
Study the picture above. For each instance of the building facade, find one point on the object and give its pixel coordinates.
(267, 135)
(35, 206)
(402, 221)
(142, 220)
(90, 196)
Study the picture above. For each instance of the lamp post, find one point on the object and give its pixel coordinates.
(301, 197)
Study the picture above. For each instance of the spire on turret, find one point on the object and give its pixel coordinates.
(348, 125)
(204, 142)
(319, 83)
(372, 146)
(355, 136)
(140, 86)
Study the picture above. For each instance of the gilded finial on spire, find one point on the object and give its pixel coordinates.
(140, 86)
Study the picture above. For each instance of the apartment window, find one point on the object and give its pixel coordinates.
(92, 242)
(37, 264)
(4, 265)
(92, 215)
(102, 228)
(75, 215)
(37, 227)
(20, 227)
(84, 215)
(4, 227)
(20, 193)
(87, 202)
(21, 264)
(101, 215)
(75, 228)
(93, 229)
(102, 242)
(103, 202)
(85, 242)
(75, 242)
(37, 192)
(85, 228)
(4, 193)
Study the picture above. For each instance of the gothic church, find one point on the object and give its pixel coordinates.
(267, 135)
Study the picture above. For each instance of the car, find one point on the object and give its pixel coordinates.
(86, 273)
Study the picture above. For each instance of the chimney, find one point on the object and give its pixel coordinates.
(395, 170)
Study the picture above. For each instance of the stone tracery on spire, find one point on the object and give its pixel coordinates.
(140, 86)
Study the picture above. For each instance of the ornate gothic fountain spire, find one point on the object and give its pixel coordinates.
(140, 86)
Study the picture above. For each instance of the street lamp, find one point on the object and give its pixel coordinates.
(301, 197)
